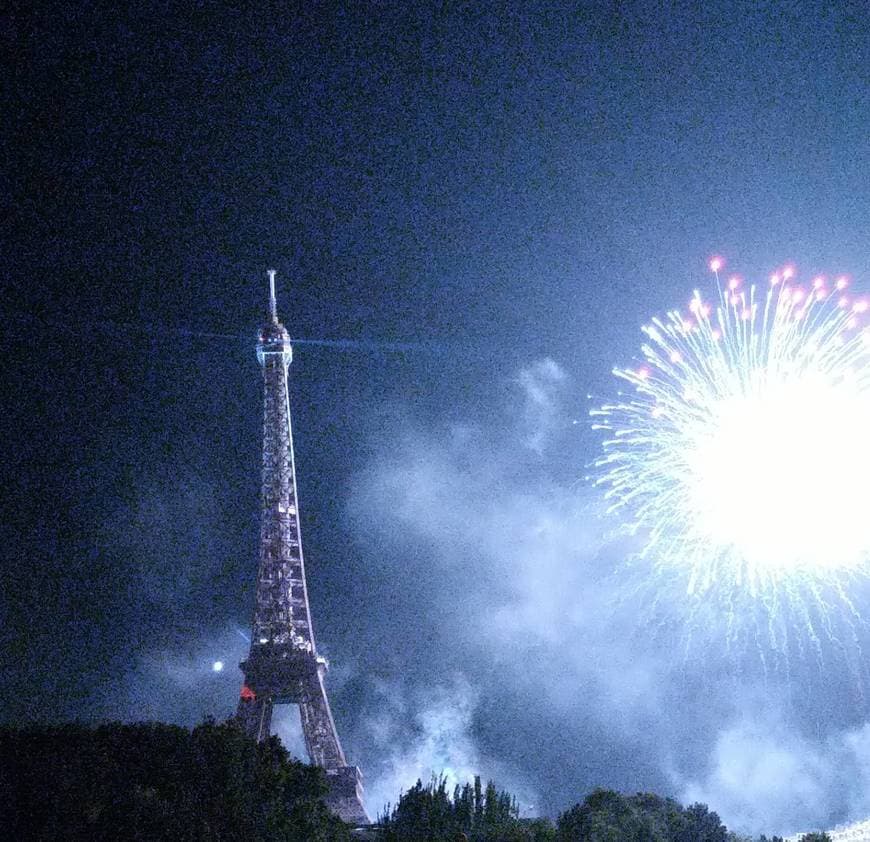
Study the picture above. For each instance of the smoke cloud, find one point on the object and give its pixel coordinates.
(542, 384)
(178, 682)
(418, 736)
(762, 773)
(586, 669)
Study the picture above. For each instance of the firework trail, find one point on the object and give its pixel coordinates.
(739, 456)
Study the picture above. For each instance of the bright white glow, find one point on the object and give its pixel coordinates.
(743, 449)
(217, 666)
(761, 461)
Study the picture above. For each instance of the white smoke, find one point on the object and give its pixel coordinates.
(287, 725)
(542, 383)
(764, 775)
(176, 683)
(424, 734)
(518, 575)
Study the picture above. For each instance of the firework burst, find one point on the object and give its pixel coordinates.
(740, 451)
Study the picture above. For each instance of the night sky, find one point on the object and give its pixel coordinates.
(486, 204)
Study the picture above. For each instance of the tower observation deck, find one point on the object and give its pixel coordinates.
(283, 666)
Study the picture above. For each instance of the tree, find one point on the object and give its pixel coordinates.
(605, 816)
(154, 781)
(701, 825)
(815, 837)
(608, 816)
(474, 813)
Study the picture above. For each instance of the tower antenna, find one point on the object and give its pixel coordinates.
(273, 304)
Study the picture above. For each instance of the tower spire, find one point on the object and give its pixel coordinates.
(273, 304)
(283, 666)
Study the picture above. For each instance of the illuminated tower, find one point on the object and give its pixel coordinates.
(283, 666)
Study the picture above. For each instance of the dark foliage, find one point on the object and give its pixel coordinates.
(473, 814)
(607, 816)
(158, 782)
(155, 782)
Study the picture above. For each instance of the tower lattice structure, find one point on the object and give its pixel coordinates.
(283, 666)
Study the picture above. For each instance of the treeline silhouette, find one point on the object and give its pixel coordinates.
(472, 812)
(158, 782)
(154, 782)
(430, 813)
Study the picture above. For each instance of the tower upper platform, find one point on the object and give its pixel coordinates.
(274, 341)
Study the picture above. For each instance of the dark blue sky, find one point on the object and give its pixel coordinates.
(495, 188)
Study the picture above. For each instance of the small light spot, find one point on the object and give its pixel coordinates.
(217, 666)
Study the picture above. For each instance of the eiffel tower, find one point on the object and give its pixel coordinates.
(283, 666)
